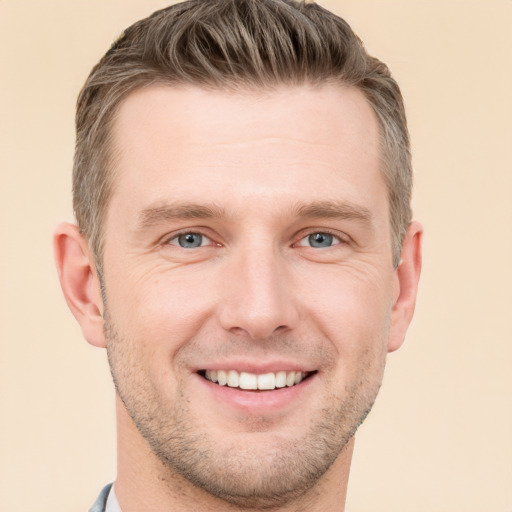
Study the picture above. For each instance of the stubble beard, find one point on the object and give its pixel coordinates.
(281, 472)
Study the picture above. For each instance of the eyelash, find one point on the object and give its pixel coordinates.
(339, 240)
(176, 236)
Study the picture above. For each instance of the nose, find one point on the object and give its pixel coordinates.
(257, 297)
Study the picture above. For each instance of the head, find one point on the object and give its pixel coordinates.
(233, 45)
(245, 248)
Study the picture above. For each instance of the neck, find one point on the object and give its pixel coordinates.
(145, 484)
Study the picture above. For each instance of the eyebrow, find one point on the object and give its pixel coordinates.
(165, 212)
(334, 210)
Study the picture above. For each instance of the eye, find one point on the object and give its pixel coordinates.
(190, 240)
(319, 240)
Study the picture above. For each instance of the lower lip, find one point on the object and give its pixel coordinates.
(257, 402)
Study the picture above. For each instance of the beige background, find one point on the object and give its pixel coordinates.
(440, 437)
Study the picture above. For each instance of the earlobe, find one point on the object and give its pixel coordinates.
(79, 281)
(406, 286)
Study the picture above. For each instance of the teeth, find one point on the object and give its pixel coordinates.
(280, 379)
(248, 381)
(233, 379)
(222, 377)
(267, 381)
(211, 375)
(245, 380)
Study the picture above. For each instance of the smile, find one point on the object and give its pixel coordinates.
(252, 381)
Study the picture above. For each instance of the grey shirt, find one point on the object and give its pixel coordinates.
(106, 501)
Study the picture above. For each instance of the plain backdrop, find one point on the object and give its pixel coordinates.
(440, 436)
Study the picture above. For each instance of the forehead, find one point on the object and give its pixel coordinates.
(280, 145)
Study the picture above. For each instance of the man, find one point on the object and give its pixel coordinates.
(244, 251)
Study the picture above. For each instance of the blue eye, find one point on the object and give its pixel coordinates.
(189, 240)
(319, 240)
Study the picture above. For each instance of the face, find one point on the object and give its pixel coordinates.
(249, 281)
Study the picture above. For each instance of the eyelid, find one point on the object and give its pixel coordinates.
(340, 237)
(168, 239)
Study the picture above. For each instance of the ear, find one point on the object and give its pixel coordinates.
(79, 281)
(406, 286)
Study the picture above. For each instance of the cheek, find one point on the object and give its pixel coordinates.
(162, 310)
(353, 309)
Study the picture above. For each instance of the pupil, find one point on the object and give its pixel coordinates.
(190, 240)
(320, 240)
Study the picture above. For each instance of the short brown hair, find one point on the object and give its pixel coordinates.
(230, 44)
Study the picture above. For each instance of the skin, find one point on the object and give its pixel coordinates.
(254, 174)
